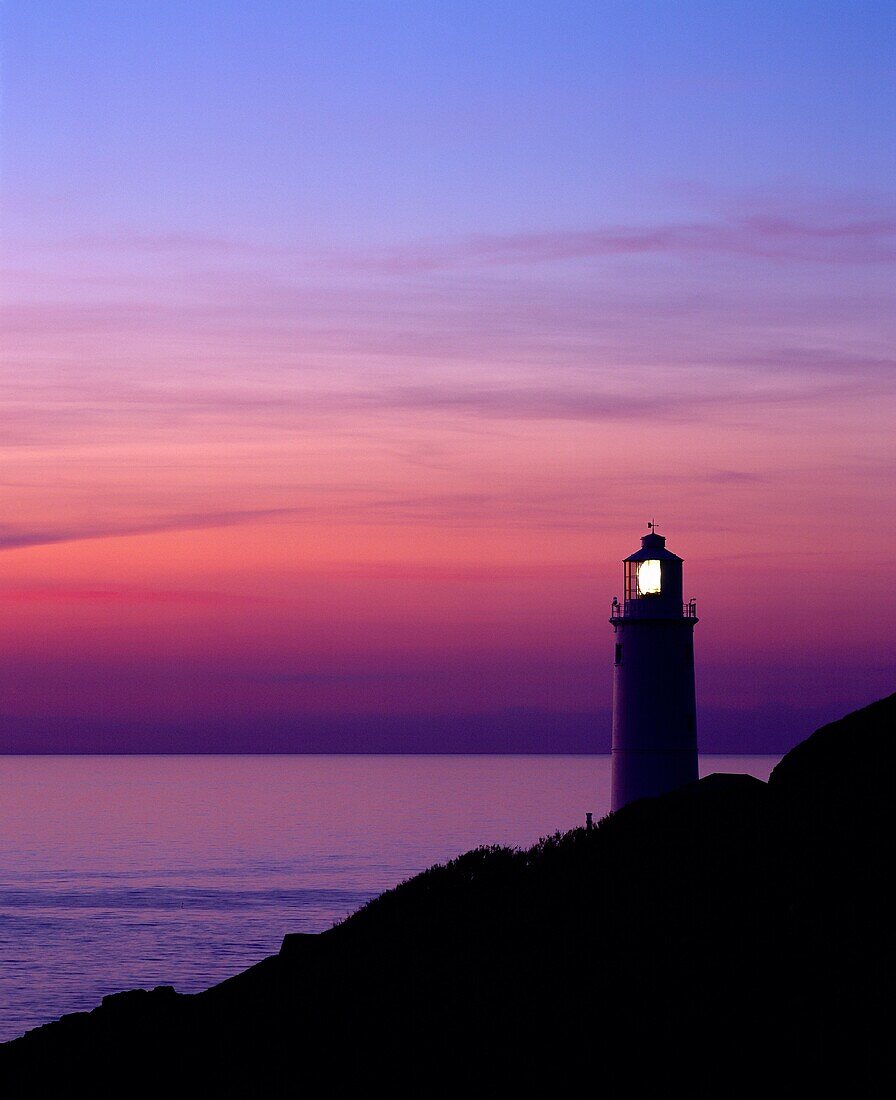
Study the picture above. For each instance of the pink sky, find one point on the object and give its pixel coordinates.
(409, 495)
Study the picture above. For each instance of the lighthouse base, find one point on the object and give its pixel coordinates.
(646, 773)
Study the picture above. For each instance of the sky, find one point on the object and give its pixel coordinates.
(349, 346)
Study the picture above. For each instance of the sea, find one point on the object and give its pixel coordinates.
(120, 872)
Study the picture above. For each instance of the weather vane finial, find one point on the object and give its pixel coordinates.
(651, 524)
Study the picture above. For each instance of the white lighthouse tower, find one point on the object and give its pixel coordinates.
(654, 705)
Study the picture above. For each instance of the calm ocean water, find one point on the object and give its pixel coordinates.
(118, 872)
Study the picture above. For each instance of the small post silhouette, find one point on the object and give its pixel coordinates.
(589, 824)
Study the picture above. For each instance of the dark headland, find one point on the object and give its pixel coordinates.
(734, 938)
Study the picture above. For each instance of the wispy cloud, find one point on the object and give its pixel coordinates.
(12, 538)
(782, 224)
(590, 404)
(181, 241)
(112, 415)
(119, 594)
(770, 236)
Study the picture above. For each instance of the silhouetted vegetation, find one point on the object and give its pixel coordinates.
(731, 939)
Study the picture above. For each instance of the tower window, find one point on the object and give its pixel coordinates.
(619, 653)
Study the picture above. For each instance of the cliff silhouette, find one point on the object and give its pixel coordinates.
(733, 938)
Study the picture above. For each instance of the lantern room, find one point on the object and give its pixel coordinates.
(653, 582)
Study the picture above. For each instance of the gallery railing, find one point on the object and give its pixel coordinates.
(647, 608)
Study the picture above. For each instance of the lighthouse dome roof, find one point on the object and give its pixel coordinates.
(653, 548)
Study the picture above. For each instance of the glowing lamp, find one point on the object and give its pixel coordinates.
(649, 577)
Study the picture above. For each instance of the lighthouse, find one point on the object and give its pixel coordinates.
(654, 704)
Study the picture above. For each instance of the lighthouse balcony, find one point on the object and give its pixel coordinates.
(648, 608)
